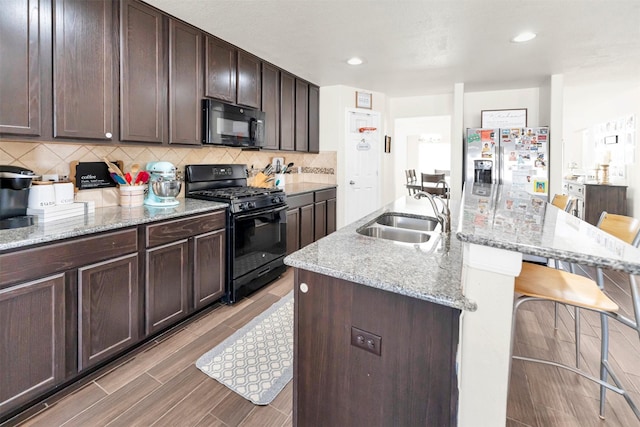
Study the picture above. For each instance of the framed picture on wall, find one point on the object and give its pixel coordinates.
(516, 118)
(363, 100)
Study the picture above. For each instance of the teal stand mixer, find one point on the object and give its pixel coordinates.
(163, 185)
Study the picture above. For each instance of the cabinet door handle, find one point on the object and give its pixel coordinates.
(304, 288)
(108, 134)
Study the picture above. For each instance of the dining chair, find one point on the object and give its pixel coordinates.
(410, 174)
(433, 183)
(540, 283)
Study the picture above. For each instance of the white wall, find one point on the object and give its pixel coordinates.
(586, 106)
(475, 102)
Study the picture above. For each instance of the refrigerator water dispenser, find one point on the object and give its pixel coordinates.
(483, 171)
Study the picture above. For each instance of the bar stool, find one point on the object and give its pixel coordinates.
(540, 283)
(562, 201)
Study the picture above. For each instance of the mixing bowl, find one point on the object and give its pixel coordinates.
(168, 188)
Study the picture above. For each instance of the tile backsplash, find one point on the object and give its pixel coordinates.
(54, 158)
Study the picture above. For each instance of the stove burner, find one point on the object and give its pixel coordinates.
(232, 193)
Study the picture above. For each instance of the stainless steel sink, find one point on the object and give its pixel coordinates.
(396, 234)
(402, 228)
(406, 222)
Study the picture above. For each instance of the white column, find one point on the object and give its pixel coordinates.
(485, 335)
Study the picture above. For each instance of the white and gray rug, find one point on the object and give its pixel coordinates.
(257, 360)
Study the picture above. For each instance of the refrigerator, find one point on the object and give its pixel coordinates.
(515, 156)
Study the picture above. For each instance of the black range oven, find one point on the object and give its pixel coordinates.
(256, 225)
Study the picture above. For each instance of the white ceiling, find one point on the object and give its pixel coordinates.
(420, 47)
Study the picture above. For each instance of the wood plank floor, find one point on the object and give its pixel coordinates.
(161, 386)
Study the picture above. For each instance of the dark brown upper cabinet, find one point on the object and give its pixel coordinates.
(287, 111)
(20, 68)
(143, 73)
(271, 105)
(302, 116)
(248, 80)
(185, 83)
(220, 73)
(314, 119)
(84, 79)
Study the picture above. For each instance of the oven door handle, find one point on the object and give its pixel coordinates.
(261, 212)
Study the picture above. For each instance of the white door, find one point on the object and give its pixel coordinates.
(362, 162)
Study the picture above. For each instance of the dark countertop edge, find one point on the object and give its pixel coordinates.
(80, 230)
(306, 187)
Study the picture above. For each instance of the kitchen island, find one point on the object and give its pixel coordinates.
(471, 272)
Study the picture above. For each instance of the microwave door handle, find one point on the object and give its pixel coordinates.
(253, 125)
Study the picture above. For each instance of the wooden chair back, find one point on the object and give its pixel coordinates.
(623, 227)
(429, 182)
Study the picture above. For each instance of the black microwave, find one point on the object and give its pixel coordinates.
(231, 125)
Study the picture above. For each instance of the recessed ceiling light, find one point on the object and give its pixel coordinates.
(354, 61)
(524, 37)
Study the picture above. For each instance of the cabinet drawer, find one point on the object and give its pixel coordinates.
(576, 190)
(299, 200)
(325, 194)
(52, 258)
(170, 231)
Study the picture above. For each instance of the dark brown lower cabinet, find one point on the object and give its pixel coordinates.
(320, 219)
(310, 217)
(32, 329)
(325, 212)
(69, 306)
(411, 382)
(166, 285)
(184, 267)
(307, 218)
(331, 215)
(293, 230)
(299, 221)
(108, 309)
(208, 270)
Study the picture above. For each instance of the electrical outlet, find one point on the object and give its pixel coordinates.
(366, 340)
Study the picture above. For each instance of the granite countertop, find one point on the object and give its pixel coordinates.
(305, 187)
(423, 271)
(104, 219)
(504, 217)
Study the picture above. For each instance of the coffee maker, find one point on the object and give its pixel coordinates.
(15, 183)
(483, 171)
(163, 185)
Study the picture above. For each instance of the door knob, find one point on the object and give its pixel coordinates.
(352, 182)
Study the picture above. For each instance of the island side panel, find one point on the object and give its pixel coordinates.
(413, 380)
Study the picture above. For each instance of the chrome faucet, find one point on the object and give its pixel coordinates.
(444, 215)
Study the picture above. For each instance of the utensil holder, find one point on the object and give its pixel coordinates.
(132, 195)
(279, 180)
